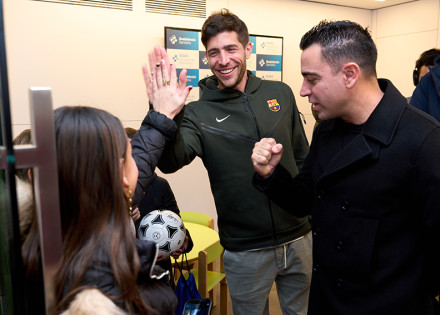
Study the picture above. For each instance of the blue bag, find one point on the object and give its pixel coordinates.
(186, 288)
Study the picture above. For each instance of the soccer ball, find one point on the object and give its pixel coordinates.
(165, 228)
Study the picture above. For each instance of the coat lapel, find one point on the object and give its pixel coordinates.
(377, 131)
(356, 150)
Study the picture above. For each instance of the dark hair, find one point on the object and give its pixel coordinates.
(130, 132)
(23, 138)
(342, 42)
(224, 21)
(427, 58)
(90, 144)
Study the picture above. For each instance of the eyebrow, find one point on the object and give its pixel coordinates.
(224, 47)
(310, 73)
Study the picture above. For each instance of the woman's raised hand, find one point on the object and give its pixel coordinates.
(164, 92)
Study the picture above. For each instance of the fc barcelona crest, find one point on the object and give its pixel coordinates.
(273, 105)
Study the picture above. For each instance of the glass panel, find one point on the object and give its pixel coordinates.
(16, 296)
(8, 282)
(11, 277)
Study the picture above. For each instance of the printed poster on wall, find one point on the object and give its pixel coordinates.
(186, 51)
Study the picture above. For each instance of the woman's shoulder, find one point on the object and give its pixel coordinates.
(93, 301)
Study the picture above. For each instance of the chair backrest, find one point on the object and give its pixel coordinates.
(213, 252)
(206, 278)
(197, 217)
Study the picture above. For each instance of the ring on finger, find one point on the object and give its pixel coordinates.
(165, 82)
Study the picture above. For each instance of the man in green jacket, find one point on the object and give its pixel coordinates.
(262, 242)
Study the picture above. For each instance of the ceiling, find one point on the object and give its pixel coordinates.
(363, 4)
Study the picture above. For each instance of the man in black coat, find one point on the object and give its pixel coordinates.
(371, 182)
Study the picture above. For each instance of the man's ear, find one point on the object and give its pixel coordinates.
(248, 50)
(351, 73)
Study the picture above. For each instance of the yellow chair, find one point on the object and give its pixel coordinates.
(208, 279)
(205, 220)
(202, 219)
(197, 217)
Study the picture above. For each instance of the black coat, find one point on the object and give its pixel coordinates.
(148, 144)
(152, 280)
(375, 206)
(153, 192)
(160, 196)
(157, 196)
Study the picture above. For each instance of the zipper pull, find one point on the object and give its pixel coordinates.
(303, 118)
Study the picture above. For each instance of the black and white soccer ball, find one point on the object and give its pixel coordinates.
(165, 228)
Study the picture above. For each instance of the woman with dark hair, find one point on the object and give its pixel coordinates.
(104, 269)
(97, 177)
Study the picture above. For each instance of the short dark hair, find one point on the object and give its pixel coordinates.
(23, 138)
(130, 132)
(427, 58)
(224, 21)
(342, 42)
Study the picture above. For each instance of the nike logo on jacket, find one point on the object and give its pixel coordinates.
(220, 120)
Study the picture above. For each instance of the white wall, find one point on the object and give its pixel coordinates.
(402, 33)
(92, 56)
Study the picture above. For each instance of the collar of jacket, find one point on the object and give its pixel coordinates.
(148, 252)
(378, 131)
(211, 92)
(383, 121)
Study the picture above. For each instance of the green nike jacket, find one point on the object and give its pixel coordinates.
(221, 128)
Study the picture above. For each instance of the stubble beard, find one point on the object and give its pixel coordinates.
(240, 76)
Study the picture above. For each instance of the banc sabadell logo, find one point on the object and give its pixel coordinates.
(203, 61)
(269, 63)
(173, 39)
(178, 39)
(192, 76)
